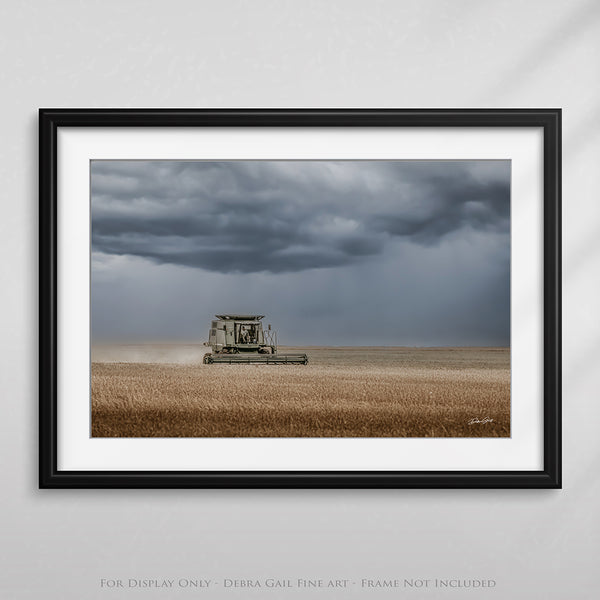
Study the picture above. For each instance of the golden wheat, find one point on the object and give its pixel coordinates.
(343, 392)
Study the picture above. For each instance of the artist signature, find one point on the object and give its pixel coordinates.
(482, 421)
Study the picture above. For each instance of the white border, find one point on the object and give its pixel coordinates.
(522, 451)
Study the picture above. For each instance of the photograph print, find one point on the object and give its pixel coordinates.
(300, 298)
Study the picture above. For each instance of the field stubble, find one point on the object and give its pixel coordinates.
(165, 391)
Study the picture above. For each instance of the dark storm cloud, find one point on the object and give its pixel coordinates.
(288, 216)
(450, 201)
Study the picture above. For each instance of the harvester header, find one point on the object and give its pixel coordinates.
(241, 339)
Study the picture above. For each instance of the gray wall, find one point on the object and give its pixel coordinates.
(58, 544)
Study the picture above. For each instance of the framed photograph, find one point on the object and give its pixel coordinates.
(300, 298)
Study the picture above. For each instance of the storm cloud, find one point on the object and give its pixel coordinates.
(287, 216)
(398, 253)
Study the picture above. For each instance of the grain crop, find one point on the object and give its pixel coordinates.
(166, 391)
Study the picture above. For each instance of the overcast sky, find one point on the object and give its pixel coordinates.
(405, 253)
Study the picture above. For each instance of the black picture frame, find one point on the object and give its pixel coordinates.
(51, 120)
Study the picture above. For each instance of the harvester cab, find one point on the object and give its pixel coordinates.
(241, 339)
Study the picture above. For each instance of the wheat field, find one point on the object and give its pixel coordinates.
(165, 391)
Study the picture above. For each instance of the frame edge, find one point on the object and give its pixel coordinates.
(49, 121)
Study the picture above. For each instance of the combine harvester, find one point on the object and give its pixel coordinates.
(241, 339)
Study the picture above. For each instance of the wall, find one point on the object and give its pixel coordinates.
(59, 544)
